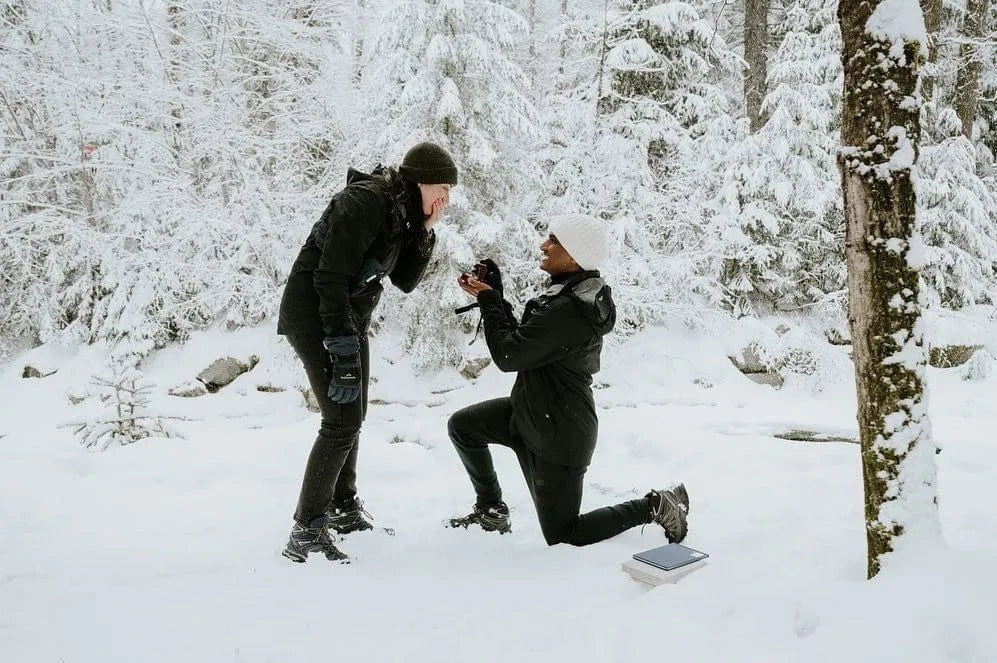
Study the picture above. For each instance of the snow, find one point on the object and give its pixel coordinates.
(899, 21)
(676, 17)
(916, 251)
(171, 547)
(632, 54)
(904, 155)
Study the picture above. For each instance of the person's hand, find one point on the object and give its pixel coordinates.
(493, 275)
(345, 372)
(471, 285)
(438, 206)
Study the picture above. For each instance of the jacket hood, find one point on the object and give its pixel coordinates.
(593, 297)
(353, 175)
(596, 301)
(405, 194)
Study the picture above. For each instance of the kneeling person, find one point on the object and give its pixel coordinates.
(550, 419)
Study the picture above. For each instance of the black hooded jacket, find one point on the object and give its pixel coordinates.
(371, 229)
(555, 350)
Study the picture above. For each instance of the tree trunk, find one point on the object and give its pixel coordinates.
(174, 74)
(756, 37)
(531, 17)
(932, 24)
(967, 82)
(880, 133)
(604, 49)
(358, 44)
(563, 51)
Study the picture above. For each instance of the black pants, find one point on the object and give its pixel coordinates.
(556, 489)
(331, 472)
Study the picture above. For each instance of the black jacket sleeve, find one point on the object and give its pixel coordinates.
(417, 249)
(549, 335)
(507, 307)
(353, 224)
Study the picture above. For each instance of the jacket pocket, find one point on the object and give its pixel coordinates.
(368, 279)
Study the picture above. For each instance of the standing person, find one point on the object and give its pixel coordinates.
(550, 419)
(380, 225)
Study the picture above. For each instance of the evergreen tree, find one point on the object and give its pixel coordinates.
(778, 216)
(119, 411)
(957, 211)
(443, 71)
(176, 155)
(661, 106)
(987, 121)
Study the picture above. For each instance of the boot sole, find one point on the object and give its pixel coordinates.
(298, 558)
(390, 531)
(456, 524)
(293, 556)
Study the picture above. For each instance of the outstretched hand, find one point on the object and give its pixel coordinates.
(471, 285)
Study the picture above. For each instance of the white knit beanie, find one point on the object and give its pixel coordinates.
(585, 237)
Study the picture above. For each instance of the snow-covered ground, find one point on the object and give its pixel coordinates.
(168, 549)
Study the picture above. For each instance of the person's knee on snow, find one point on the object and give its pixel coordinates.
(560, 532)
(555, 348)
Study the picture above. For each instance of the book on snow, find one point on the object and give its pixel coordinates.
(670, 557)
(666, 564)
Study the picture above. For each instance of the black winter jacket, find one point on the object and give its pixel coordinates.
(371, 229)
(555, 349)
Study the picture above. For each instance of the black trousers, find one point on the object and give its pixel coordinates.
(331, 472)
(556, 489)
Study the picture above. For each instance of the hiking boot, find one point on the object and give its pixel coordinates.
(491, 518)
(349, 516)
(313, 538)
(669, 512)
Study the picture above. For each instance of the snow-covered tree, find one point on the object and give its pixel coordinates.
(119, 411)
(160, 163)
(971, 58)
(662, 112)
(987, 113)
(883, 50)
(146, 145)
(443, 70)
(777, 216)
(957, 210)
(756, 38)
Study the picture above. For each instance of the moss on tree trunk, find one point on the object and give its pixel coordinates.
(880, 125)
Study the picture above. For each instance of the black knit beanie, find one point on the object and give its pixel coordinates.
(428, 163)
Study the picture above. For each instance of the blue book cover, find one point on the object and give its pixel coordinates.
(670, 557)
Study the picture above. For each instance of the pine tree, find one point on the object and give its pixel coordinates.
(987, 113)
(957, 210)
(443, 71)
(777, 217)
(177, 154)
(971, 64)
(120, 409)
(756, 38)
(662, 114)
